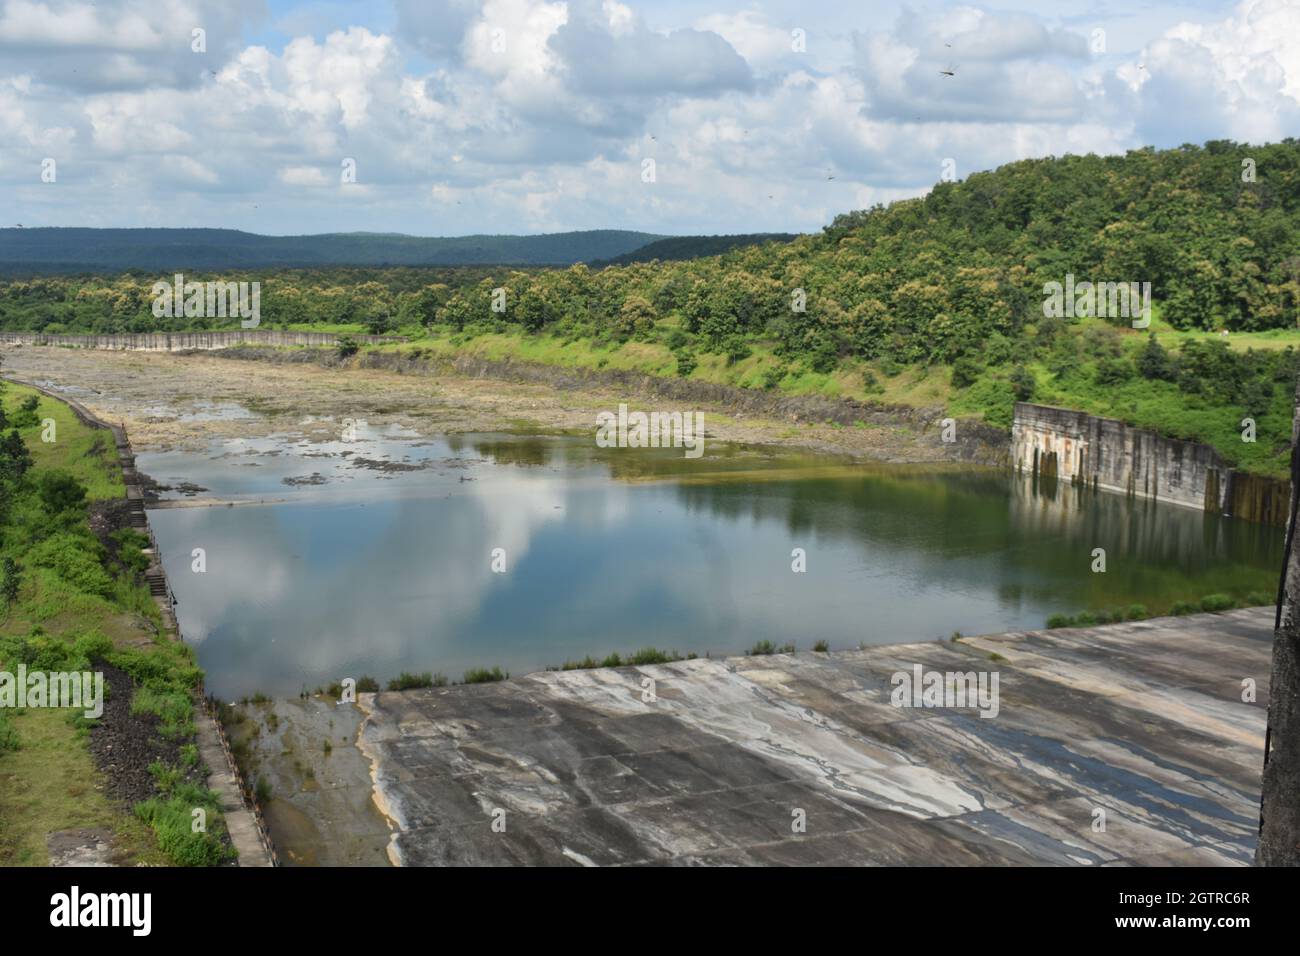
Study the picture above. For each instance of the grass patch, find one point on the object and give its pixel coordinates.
(481, 675)
(405, 681)
(172, 818)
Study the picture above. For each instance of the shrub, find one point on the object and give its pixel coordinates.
(8, 734)
(821, 647)
(11, 581)
(763, 647)
(677, 340)
(1259, 599)
(1023, 383)
(650, 655)
(965, 372)
(686, 363)
(736, 350)
(367, 685)
(1217, 602)
(347, 347)
(1060, 620)
(76, 559)
(27, 414)
(171, 706)
(1154, 362)
(15, 458)
(130, 550)
(1136, 612)
(1114, 371)
(60, 492)
(1180, 608)
(405, 681)
(171, 819)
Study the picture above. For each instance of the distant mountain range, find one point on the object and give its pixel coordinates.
(677, 248)
(61, 250)
(53, 249)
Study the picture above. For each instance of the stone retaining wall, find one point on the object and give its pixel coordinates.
(1109, 454)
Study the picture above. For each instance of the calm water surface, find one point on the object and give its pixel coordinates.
(374, 556)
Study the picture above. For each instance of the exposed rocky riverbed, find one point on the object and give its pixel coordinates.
(183, 401)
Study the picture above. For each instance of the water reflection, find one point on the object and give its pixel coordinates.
(376, 571)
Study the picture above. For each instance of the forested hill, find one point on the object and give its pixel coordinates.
(113, 250)
(677, 248)
(931, 280)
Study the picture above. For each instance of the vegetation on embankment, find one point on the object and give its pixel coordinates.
(1139, 612)
(928, 302)
(73, 600)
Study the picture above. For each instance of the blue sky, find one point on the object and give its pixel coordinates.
(523, 116)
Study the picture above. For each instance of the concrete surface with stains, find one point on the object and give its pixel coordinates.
(1127, 744)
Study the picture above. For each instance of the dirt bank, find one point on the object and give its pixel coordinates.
(183, 400)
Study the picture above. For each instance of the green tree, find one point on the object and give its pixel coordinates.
(636, 318)
(1154, 362)
(60, 492)
(10, 581)
(1022, 383)
(965, 372)
(15, 459)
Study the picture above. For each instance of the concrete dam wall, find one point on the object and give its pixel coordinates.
(1108, 454)
(179, 341)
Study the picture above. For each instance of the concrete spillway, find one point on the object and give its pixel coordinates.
(1129, 743)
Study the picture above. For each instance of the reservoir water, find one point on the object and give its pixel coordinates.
(376, 556)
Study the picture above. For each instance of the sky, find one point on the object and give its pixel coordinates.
(449, 117)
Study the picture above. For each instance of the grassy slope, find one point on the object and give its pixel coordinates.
(51, 782)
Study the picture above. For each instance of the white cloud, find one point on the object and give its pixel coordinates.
(458, 128)
(303, 176)
(753, 37)
(1238, 78)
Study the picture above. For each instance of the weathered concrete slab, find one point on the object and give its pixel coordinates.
(1141, 726)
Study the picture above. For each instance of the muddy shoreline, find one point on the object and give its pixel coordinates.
(182, 401)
